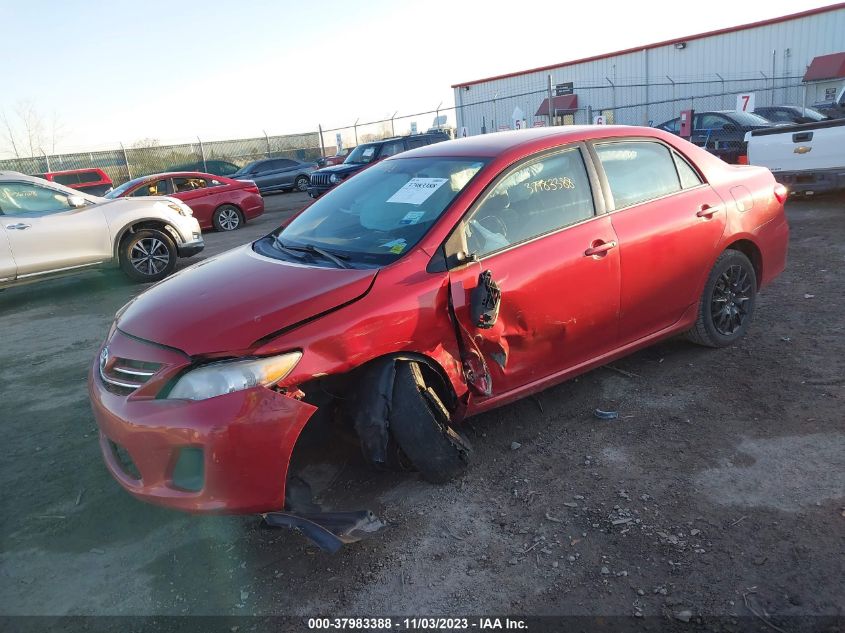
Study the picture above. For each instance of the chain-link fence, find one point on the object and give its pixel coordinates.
(629, 102)
(218, 157)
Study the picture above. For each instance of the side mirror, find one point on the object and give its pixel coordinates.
(76, 201)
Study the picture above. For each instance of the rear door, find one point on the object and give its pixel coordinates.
(668, 222)
(193, 191)
(555, 261)
(45, 233)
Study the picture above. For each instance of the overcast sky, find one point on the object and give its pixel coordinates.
(121, 71)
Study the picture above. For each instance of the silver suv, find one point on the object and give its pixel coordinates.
(49, 230)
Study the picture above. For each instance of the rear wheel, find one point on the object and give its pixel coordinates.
(727, 303)
(227, 218)
(301, 183)
(419, 423)
(147, 255)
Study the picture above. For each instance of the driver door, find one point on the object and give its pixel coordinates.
(46, 233)
(555, 260)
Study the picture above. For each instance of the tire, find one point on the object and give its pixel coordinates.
(727, 303)
(301, 183)
(147, 255)
(227, 218)
(419, 425)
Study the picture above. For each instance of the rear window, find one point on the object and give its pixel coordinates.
(66, 179)
(638, 171)
(89, 176)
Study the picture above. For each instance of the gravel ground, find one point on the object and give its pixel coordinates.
(719, 490)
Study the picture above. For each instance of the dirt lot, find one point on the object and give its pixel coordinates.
(717, 491)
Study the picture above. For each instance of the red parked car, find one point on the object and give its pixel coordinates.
(437, 284)
(94, 181)
(217, 202)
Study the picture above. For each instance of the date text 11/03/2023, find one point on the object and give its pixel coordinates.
(418, 624)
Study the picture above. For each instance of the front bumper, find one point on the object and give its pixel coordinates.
(240, 445)
(315, 191)
(189, 249)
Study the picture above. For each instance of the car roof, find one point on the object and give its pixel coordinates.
(16, 175)
(531, 139)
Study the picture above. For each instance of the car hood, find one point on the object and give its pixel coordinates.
(343, 168)
(227, 303)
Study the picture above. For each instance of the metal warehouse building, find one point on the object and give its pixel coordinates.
(651, 84)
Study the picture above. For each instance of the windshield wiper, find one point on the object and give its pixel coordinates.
(316, 250)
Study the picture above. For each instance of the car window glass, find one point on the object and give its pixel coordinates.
(27, 200)
(378, 215)
(183, 185)
(66, 179)
(689, 177)
(215, 183)
(285, 163)
(638, 171)
(416, 142)
(154, 188)
(535, 198)
(671, 126)
(89, 176)
(711, 122)
(391, 149)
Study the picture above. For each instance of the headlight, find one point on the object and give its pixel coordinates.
(334, 178)
(229, 376)
(180, 209)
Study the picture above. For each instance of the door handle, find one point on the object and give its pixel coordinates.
(706, 211)
(20, 226)
(599, 248)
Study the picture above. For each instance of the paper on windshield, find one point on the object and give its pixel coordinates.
(417, 190)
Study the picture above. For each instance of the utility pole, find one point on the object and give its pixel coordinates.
(202, 153)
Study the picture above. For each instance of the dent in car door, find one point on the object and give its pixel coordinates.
(8, 268)
(667, 235)
(45, 234)
(556, 265)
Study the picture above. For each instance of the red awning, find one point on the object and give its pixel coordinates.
(563, 103)
(826, 67)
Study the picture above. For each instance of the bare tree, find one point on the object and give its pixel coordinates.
(28, 133)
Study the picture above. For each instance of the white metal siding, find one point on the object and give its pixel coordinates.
(745, 55)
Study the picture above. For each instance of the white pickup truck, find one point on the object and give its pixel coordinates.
(808, 158)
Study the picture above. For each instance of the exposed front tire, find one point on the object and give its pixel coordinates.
(301, 183)
(227, 218)
(147, 255)
(419, 423)
(727, 303)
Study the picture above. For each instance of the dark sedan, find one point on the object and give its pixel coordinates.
(277, 174)
(790, 114)
(721, 132)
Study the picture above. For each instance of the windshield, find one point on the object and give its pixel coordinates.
(363, 154)
(117, 192)
(749, 119)
(382, 212)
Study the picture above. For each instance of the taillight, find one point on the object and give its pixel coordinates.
(781, 193)
(253, 189)
(742, 159)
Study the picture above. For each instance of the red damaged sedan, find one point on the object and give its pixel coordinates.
(218, 202)
(438, 284)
